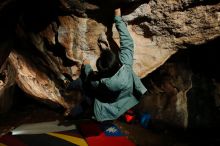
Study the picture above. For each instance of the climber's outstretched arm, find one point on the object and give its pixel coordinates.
(126, 41)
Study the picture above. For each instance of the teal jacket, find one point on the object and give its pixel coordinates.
(124, 81)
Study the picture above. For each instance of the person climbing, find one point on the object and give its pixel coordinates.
(116, 77)
(114, 83)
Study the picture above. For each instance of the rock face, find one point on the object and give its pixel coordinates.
(53, 37)
(184, 92)
(167, 100)
(7, 86)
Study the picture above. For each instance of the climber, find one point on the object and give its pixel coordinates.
(114, 82)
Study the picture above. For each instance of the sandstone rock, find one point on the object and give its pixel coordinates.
(167, 100)
(55, 37)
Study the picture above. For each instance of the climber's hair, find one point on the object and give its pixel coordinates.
(107, 64)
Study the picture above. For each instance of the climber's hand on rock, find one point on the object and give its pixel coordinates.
(86, 61)
(117, 12)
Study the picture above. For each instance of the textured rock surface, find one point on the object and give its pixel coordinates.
(167, 100)
(52, 38)
(185, 90)
(176, 24)
(7, 86)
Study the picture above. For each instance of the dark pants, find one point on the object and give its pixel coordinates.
(75, 84)
(86, 102)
